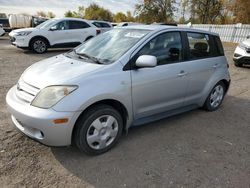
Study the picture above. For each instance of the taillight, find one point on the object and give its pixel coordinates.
(98, 31)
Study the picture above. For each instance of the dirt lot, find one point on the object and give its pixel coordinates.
(195, 149)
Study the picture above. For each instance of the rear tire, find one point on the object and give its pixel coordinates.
(98, 130)
(39, 45)
(215, 97)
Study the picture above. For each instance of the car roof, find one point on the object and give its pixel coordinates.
(73, 19)
(167, 27)
(99, 21)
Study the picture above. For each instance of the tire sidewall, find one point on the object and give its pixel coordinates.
(208, 104)
(32, 45)
(86, 121)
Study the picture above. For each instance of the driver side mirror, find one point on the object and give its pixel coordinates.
(53, 28)
(146, 61)
(248, 36)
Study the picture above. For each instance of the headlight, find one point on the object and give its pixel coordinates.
(24, 33)
(51, 95)
(243, 46)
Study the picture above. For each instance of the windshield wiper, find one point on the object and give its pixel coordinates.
(84, 56)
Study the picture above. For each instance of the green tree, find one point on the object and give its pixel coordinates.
(241, 11)
(69, 14)
(76, 14)
(155, 11)
(130, 17)
(120, 17)
(51, 14)
(48, 14)
(41, 13)
(95, 12)
(184, 9)
(205, 11)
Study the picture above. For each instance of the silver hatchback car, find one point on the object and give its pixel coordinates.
(123, 77)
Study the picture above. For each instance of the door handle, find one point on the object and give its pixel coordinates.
(182, 73)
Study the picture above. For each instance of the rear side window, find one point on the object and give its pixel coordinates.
(199, 45)
(105, 25)
(78, 25)
(220, 50)
(101, 24)
(97, 24)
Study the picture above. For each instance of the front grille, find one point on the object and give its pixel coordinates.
(26, 92)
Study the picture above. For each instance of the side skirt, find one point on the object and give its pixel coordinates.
(163, 115)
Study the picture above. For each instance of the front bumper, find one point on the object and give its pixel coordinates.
(241, 56)
(38, 123)
(19, 41)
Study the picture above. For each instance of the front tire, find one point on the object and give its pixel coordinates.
(39, 45)
(238, 64)
(215, 97)
(98, 129)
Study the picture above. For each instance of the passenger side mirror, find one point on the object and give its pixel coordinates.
(146, 61)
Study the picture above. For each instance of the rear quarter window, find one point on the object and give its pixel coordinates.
(219, 46)
(78, 25)
(202, 45)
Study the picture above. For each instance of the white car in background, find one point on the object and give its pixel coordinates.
(102, 25)
(124, 24)
(242, 53)
(2, 32)
(54, 33)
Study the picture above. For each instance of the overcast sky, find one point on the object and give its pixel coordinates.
(59, 7)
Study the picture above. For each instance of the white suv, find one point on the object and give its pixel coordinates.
(2, 32)
(54, 33)
(242, 53)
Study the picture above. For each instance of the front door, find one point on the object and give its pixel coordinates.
(161, 88)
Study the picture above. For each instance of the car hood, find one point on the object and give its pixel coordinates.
(56, 71)
(24, 29)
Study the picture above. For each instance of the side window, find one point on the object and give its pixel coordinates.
(63, 25)
(97, 24)
(220, 50)
(167, 48)
(199, 45)
(78, 25)
(105, 25)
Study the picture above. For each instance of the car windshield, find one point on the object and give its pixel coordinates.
(47, 24)
(110, 46)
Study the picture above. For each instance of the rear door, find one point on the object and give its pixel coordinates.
(161, 88)
(79, 31)
(201, 65)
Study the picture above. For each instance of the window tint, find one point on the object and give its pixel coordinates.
(101, 24)
(97, 24)
(63, 25)
(78, 25)
(220, 50)
(167, 48)
(199, 45)
(105, 25)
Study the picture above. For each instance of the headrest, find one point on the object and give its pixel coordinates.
(201, 46)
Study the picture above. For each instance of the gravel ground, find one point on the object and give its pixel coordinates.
(194, 149)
